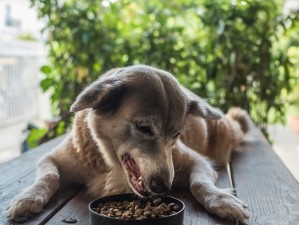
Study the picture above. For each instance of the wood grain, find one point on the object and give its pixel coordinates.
(195, 213)
(76, 208)
(19, 173)
(25, 164)
(262, 181)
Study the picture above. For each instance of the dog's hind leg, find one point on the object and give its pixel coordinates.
(32, 199)
(195, 170)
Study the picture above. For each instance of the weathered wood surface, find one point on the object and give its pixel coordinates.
(264, 183)
(259, 177)
(195, 214)
(20, 173)
(76, 208)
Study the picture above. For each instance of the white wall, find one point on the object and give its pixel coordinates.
(19, 64)
(20, 11)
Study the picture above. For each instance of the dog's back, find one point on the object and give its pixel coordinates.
(216, 139)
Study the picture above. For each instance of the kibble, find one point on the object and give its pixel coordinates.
(137, 210)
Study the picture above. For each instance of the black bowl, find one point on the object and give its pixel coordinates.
(98, 219)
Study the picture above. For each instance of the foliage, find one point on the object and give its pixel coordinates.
(291, 42)
(25, 37)
(226, 51)
(35, 136)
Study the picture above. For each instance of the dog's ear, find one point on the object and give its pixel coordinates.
(203, 109)
(103, 95)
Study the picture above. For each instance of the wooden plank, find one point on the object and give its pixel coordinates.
(77, 208)
(24, 164)
(20, 173)
(264, 183)
(56, 203)
(195, 213)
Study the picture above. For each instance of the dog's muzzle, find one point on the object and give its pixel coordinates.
(158, 186)
(144, 187)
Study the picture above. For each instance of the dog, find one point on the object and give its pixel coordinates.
(136, 129)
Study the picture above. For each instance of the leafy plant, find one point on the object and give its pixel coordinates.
(226, 51)
(26, 37)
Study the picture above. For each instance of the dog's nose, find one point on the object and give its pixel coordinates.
(157, 185)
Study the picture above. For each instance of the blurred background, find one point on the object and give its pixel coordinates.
(231, 52)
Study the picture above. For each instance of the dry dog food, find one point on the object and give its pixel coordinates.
(137, 210)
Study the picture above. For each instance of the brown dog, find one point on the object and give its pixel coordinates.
(134, 127)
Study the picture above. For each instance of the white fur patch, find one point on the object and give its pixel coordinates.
(98, 141)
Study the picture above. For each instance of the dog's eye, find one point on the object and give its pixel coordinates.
(176, 135)
(144, 129)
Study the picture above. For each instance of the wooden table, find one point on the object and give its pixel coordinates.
(257, 174)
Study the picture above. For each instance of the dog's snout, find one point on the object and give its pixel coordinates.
(157, 185)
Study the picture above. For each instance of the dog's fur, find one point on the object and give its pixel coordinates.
(139, 112)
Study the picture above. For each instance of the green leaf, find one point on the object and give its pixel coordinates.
(46, 70)
(46, 83)
(34, 137)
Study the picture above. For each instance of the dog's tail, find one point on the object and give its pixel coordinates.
(241, 116)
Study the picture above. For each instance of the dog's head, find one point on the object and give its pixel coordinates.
(137, 115)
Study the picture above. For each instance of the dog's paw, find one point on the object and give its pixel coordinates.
(226, 205)
(26, 203)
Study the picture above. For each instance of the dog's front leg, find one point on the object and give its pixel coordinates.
(201, 177)
(32, 199)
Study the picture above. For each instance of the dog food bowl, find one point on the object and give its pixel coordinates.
(98, 219)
